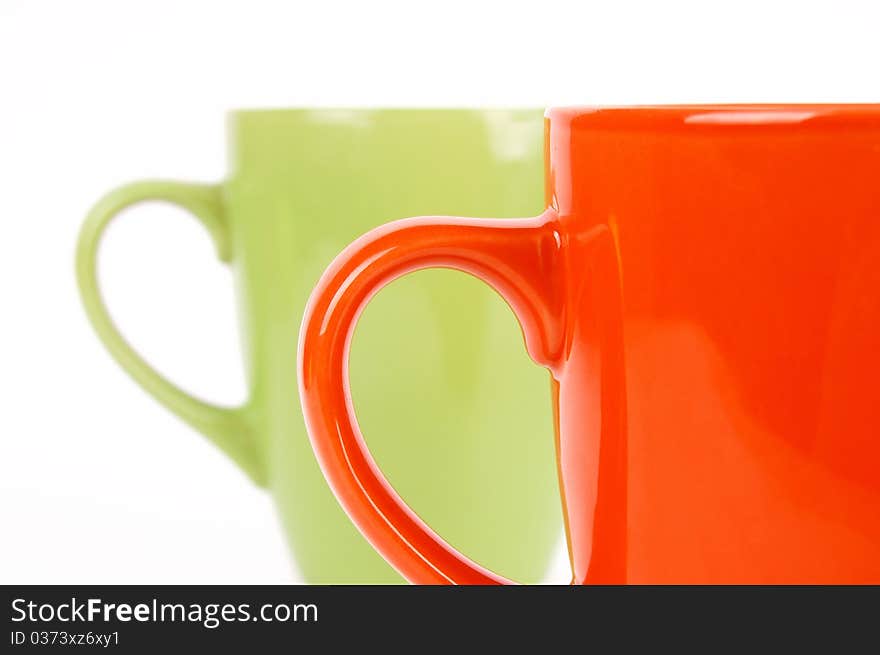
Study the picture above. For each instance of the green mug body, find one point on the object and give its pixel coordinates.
(450, 407)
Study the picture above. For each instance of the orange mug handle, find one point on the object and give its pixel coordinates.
(519, 258)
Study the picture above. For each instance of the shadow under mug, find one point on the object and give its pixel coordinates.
(705, 291)
(436, 356)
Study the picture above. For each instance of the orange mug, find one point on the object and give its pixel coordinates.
(705, 291)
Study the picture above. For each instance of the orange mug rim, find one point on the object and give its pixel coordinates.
(715, 115)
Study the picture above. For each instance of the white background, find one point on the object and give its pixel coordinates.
(97, 483)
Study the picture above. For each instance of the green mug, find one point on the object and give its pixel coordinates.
(449, 405)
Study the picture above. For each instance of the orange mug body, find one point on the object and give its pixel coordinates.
(705, 291)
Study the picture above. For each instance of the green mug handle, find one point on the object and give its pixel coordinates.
(226, 427)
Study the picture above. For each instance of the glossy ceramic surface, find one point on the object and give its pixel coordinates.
(704, 289)
(438, 373)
